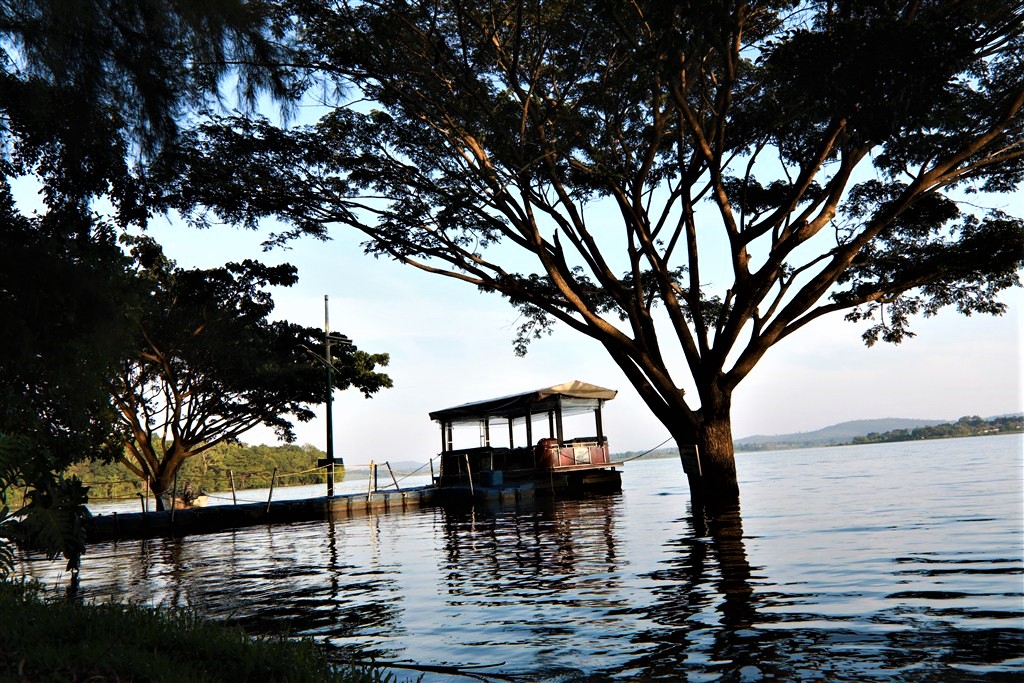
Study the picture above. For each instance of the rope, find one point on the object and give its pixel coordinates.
(134, 496)
(136, 481)
(312, 469)
(111, 481)
(649, 451)
(201, 477)
(308, 471)
(295, 474)
(409, 474)
(240, 500)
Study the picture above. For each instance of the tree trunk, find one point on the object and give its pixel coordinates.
(163, 479)
(715, 487)
(158, 501)
(717, 460)
(159, 486)
(163, 484)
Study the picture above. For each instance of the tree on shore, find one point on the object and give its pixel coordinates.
(89, 91)
(208, 365)
(687, 184)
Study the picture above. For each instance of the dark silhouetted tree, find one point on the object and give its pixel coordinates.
(209, 365)
(686, 183)
(89, 89)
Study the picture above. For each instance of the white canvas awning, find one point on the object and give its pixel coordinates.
(568, 397)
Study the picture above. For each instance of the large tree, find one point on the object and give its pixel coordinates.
(209, 365)
(686, 183)
(88, 90)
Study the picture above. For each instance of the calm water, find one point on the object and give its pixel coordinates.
(896, 562)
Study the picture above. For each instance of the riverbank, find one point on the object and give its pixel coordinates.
(42, 639)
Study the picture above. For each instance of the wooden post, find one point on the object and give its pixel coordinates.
(447, 437)
(392, 475)
(231, 478)
(691, 461)
(431, 470)
(369, 482)
(174, 495)
(273, 479)
(469, 473)
(558, 422)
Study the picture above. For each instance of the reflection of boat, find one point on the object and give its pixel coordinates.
(553, 463)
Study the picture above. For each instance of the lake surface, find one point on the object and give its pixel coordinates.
(887, 562)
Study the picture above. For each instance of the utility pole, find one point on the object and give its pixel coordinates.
(328, 360)
(330, 396)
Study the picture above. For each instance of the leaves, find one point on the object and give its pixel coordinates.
(901, 277)
(148, 62)
(685, 182)
(53, 521)
(53, 518)
(209, 364)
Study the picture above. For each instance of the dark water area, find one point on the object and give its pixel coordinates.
(886, 562)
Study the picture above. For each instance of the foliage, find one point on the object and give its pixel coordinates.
(67, 310)
(749, 167)
(87, 90)
(51, 517)
(56, 639)
(209, 364)
(965, 426)
(144, 65)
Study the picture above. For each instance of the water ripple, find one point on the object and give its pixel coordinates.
(847, 564)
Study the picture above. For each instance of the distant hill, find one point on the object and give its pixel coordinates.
(836, 434)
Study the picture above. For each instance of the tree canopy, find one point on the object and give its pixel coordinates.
(89, 89)
(678, 181)
(209, 365)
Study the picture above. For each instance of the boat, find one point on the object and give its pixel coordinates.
(511, 462)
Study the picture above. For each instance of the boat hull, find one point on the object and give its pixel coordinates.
(523, 485)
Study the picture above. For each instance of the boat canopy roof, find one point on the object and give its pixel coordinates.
(569, 398)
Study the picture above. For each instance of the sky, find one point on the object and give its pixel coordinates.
(450, 344)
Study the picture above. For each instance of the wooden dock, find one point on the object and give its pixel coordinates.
(205, 520)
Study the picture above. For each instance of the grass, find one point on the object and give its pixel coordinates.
(43, 639)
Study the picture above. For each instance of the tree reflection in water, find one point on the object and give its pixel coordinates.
(565, 558)
(546, 587)
(714, 617)
(827, 578)
(701, 616)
